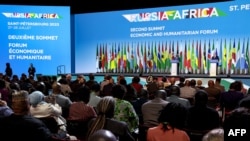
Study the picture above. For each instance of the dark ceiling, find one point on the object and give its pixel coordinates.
(85, 6)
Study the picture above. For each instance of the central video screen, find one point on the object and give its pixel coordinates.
(146, 40)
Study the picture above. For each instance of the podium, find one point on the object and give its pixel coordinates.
(213, 67)
(174, 67)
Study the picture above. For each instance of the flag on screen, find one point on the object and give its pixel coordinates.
(199, 56)
(204, 57)
(208, 56)
(224, 60)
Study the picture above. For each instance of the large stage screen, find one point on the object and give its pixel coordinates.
(35, 34)
(146, 40)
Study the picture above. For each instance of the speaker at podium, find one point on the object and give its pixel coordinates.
(213, 67)
(175, 67)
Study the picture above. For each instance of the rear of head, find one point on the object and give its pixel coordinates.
(175, 90)
(218, 80)
(105, 109)
(238, 85)
(118, 91)
(172, 80)
(199, 82)
(96, 87)
(102, 135)
(192, 83)
(214, 135)
(173, 114)
(136, 79)
(91, 76)
(161, 94)
(164, 79)
(83, 94)
(182, 79)
(35, 98)
(201, 98)
(106, 106)
(210, 83)
(57, 88)
(15, 86)
(20, 102)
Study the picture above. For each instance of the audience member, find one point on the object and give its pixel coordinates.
(171, 124)
(218, 85)
(199, 84)
(105, 120)
(124, 110)
(41, 109)
(216, 134)
(80, 113)
(21, 120)
(5, 110)
(175, 97)
(137, 104)
(201, 117)
(151, 109)
(181, 82)
(4, 92)
(91, 80)
(213, 94)
(187, 92)
(231, 98)
(94, 95)
(136, 84)
(61, 100)
(80, 110)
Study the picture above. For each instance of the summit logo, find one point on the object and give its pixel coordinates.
(33, 15)
(175, 15)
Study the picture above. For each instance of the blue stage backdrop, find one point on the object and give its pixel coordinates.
(35, 34)
(146, 40)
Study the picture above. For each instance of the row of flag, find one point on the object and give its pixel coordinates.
(156, 56)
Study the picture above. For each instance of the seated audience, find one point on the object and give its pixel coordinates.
(171, 122)
(41, 109)
(21, 125)
(105, 120)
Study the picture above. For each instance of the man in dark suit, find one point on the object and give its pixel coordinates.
(216, 57)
